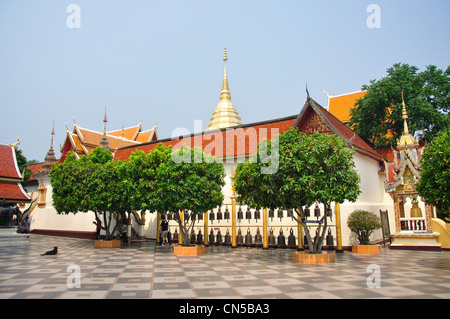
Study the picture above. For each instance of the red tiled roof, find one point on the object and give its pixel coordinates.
(237, 141)
(34, 169)
(12, 191)
(234, 141)
(82, 141)
(8, 163)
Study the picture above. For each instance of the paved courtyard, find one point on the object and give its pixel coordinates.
(146, 270)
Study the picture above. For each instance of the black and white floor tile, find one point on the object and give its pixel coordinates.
(146, 270)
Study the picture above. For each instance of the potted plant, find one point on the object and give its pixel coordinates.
(363, 223)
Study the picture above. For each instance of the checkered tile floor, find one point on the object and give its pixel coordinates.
(146, 270)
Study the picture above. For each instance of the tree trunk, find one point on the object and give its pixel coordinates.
(185, 231)
(315, 246)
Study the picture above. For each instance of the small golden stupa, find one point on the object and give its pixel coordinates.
(225, 115)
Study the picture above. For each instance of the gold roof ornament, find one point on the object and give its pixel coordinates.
(225, 115)
(406, 140)
(104, 141)
(15, 144)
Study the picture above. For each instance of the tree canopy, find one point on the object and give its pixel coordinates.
(153, 182)
(89, 184)
(377, 117)
(315, 168)
(194, 183)
(434, 183)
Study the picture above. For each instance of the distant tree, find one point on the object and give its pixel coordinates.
(377, 117)
(32, 162)
(434, 183)
(315, 168)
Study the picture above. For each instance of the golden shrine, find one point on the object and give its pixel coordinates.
(413, 231)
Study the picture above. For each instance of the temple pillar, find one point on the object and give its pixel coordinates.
(180, 237)
(397, 213)
(428, 217)
(337, 211)
(158, 224)
(233, 222)
(265, 230)
(205, 229)
(300, 237)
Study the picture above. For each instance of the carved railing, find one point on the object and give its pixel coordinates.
(413, 224)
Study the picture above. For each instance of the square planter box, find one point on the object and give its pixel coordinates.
(366, 249)
(107, 244)
(189, 250)
(304, 257)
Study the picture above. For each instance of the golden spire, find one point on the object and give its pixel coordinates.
(53, 133)
(104, 141)
(225, 115)
(406, 140)
(50, 158)
(404, 117)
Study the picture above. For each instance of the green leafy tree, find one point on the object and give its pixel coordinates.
(377, 117)
(194, 184)
(89, 184)
(315, 168)
(363, 223)
(434, 183)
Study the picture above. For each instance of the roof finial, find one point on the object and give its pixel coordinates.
(104, 142)
(225, 55)
(404, 117)
(53, 133)
(15, 144)
(225, 94)
(307, 92)
(105, 119)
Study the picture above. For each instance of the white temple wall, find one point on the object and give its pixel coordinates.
(372, 198)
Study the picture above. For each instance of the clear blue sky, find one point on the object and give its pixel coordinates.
(162, 60)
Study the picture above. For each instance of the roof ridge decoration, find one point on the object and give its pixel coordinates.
(225, 115)
(16, 143)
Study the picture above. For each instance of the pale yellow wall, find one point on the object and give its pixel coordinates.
(443, 228)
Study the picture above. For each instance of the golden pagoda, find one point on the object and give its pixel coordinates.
(225, 115)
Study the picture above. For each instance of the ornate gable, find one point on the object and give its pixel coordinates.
(314, 123)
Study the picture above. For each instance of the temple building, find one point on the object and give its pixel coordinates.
(81, 141)
(230, 140)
